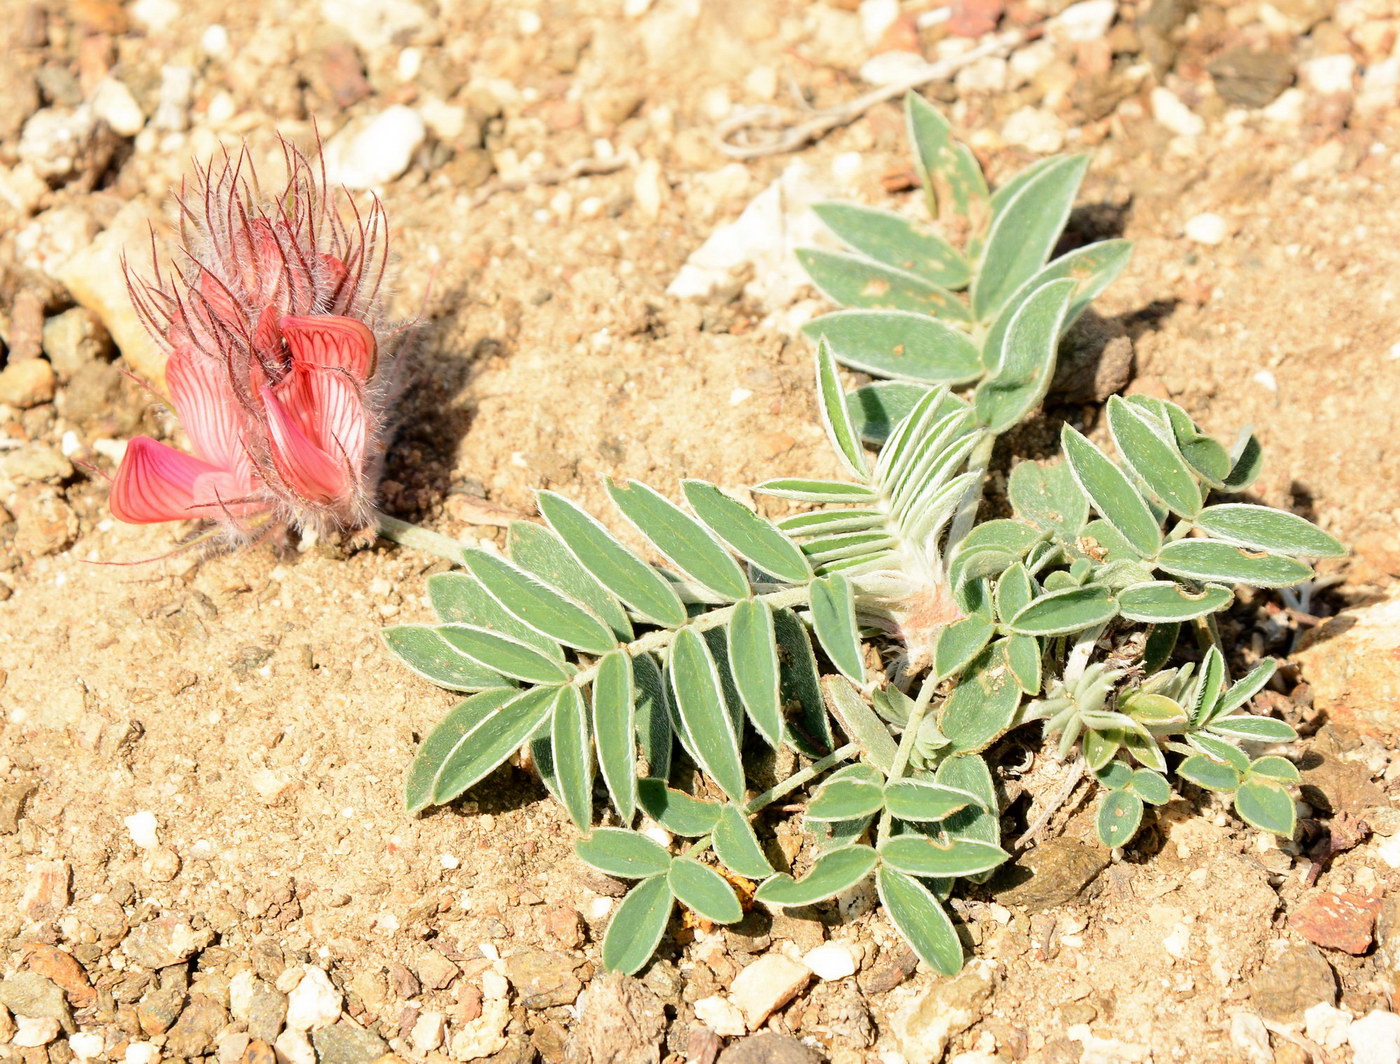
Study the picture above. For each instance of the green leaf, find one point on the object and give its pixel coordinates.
(1025, 362)
(753, 661)
(746, 533)
(737, 846)
(615, 567)
(461, 720)
(899, 344)
(1267, 806)
(615, 729)
(636, 928)
(878, 407)
(1145, 750)
(1266, 529)
(922, 802)
(829, 875)
(836, 417)
(510, 657)
(829, 522)
(817, 490)
(1101, 746)
(920, 920)
(845, 799)
(1162, 601)
(855, 281)
(1275, 768)
(1120, 816)
(1218, 749)
(969, 772)
(688, 545)
(1152, 710)
(1161, 641)
(534, 603)
(984, 703)
(1247, 463)
(537, 549)
(1111, 492)
(1024, 232)
(704, 891)
(952, 180)
(917, 855)
(1023, 655)
(991, 548)
(1013, 592)
(622, 853)
(825, 550)
(895, 241)
(1241, 691)
(834, 621)
(573, 756)
(1149, 449)
(958, 643)
(654, 733)
(807, 728)
(859, 721)
(486, 739)
(1213, 559)
(459, 598)
(1049, 497)
(1064, 612)
(1208, 773)
(695, 684)
(1151, 787)
(1092, 268)
(1253, 729)
(423, 649)
(676, 811)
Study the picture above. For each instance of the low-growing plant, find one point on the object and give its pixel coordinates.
(882, 633)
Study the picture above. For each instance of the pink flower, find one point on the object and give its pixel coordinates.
(278, 361)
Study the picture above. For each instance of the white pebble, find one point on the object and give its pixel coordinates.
(831, 960)
(1035, 129)
(294, 1048)
(1087, 21)
(1328, 74)
(142, 827)
(85, 1044)
(1209, 229)
(1169, 111)
(373, 151)
(1267, 379)
(876, 16)
(428, 1032)
(141, 1053)
(1375, 1038)
(720, 1015)
(314, 1002)
(35, 1031)
(739, 395)
(113, 103)
(1327, 1025)
(214, 41)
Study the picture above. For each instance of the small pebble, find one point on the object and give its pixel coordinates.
(142, 828)
(1083, 22)
(1328, 74)
(374, 150)
(113, 102)
(141, 1053)
(832, 960)
(34, 1031)
(1209, 229)
(1170, 112)
(719, 1014)
(85, 1044)
(314, 1002)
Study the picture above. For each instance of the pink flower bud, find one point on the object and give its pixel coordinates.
(279, 359)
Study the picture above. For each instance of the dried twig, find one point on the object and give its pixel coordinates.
(1056, 803)
(757, 131)
(577, 168)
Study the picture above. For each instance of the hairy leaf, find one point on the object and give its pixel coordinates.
(920, 920)
(676, 811)
(1149, 449)
(855, 281)
(1162, 601)
(636, 928)
(704, 891)
(1049, 497)
(1065, 612)
(573, 756)
(1213, 559)
(917, 855)
(541, 607)
(895, 241)
(1266, 529)
(695, 684)
(510, 657)
(1120, 816)
(537, 549)
(746, 533)
(1112, 493)
(615, 567)
(1267, 806)
(463, 719)
(686, 543)
(737, 846)
(829, 875)
(423, 649)
(952, 180)
(898, 344)
(834, 621)
(622, 853)
(615, 730)
(489, 739)
(1025, 362)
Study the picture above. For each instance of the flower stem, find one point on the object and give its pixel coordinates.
(421, 539)
(797, 779)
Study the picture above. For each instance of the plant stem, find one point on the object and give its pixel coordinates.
(906, 743)
(797, 779)
(782, 790)
(417, 538)
(977, 464)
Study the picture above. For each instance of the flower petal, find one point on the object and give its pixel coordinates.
(205, 404)
(332, 342)
(308, 470)
(155, 482)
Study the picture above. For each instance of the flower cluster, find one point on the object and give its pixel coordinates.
(278, 359)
